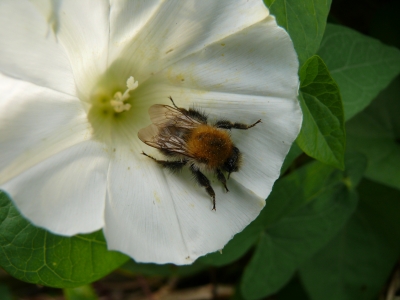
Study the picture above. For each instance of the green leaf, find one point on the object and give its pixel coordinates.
(268, 3)
(34, 255)
(361, 66)
(358, 261)
(322, 134)
(305, 22)
(85, 292)
(376, 132)
(297, 190)
(319, 200)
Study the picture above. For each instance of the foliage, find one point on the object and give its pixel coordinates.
(362, 66)
(322, 135)
(370, 240)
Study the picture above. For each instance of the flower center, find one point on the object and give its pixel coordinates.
(113, 112)
(118, 101)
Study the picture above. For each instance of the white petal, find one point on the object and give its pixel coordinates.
(83, 31)
(158, 217)
(35, 124)
(131, 215)
(127, 18)
(259, 60)
(175, 29)
(29, 50)
(65, 193)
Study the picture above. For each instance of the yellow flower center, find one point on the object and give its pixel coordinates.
(118, 101)
(111, 111)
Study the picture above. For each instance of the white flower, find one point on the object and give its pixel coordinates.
(77, 79)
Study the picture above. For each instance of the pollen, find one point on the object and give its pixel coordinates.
(118, 101)
(210, 145)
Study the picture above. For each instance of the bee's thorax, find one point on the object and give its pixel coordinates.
(209, 145)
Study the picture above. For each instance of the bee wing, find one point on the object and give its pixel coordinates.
(167, 120)
(165, 115)
(162, 139)
(149, 135)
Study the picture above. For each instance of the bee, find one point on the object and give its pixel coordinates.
(188, 138)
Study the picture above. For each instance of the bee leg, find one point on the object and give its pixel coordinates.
(204, 182)
(221, 177)
(173, 103)
(172, 165)
(224, 124)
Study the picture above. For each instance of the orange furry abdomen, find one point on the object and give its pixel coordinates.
(209, 145)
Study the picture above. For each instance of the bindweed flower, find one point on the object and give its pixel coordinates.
(77, 80)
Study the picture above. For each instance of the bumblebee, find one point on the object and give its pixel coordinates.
(188, 138)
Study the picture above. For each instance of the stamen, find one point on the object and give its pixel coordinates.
(117, 102)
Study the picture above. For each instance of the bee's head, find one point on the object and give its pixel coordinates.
(232, 164)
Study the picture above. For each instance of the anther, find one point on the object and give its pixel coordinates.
(117, 102)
